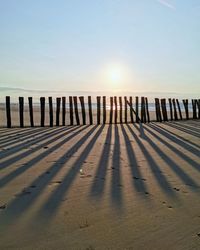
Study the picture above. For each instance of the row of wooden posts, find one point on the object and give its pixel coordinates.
(160, 109)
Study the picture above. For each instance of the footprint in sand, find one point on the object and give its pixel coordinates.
(3, 206)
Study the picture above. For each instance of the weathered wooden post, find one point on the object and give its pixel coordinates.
(50, 112)
(171, 110)
(90, 109)
(175, 112)
(81, 98)
(125, 109)
(116, 111)
(8, 113)
(63, 110)
(198, 104)
(30, 104)
(164, 109)
(98, 109)
(120, 109)
(194, 107)
(104, 109)
(131, 106)
(158, 111)
(179, 109)
(76, 110)
(143, 113)
(137, 108)
(58, 100)
(185, 103)
(111, 109)
(147, 109)
(71, 110)
(21, 112)
(42, 109)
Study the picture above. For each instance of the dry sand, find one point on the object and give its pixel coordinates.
(101, 187)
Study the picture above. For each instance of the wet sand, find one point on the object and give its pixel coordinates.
(101, 187)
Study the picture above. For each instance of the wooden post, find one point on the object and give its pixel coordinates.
(71, 116)
(143, 112)
(90, 109)
(147, 109)
(71, 111)
(50, 112)
(125, 109)
(116, 111)
(98, 109)
(164, 109)
(137, 108)
(81, 98)
(42, 109)
(158, 112)
(63, 110)
(104, 109)
(111, 109)
(58, 100)
(30, 104)
(171, 110)
(194, 107)
(120, 109)
(8, 113)
(131, 106)
(21, 111)
(175, 112)
(198, 104)
(179, 109)
(76, 110)
(185, 103)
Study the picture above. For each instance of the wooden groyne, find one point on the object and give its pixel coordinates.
(119, 108)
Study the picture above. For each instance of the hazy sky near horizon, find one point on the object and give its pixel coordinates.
(99, 45)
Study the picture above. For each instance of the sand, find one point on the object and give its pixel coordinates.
(101, 187)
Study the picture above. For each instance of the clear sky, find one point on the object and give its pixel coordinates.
(99, 45)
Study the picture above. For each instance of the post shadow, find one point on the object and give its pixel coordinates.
(158, 175)
(98, 185)
(174, 138)
(20, 170)
(42, 181)
(183, 129)
(116, 185)
(51, 205)
(19, 143)
(189, 145)
(9, 139)
(138, 180)
(187, 180)
(175, 149)
(15, 158)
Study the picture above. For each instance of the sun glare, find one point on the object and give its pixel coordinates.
(115, 75)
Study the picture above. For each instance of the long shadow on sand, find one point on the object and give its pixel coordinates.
(37, 187)
(6, 179)
(85, 138)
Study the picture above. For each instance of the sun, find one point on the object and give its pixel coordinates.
(115, 75)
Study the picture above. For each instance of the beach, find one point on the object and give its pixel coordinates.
(120, 186)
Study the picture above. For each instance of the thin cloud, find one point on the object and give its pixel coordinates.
(167, 4)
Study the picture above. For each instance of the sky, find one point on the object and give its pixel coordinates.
(100, 45)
